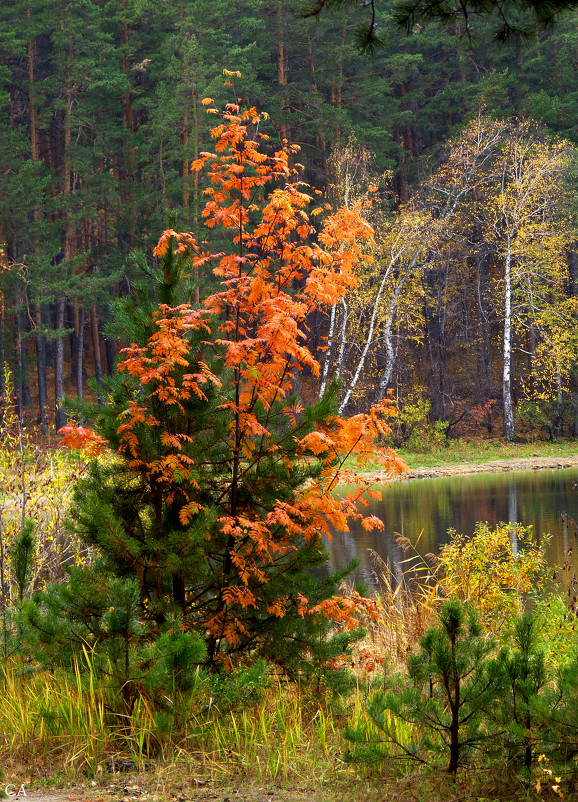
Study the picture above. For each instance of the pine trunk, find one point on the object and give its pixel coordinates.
(282, 78)
(21, 379)
(96, 350)
(79, 355)
(60, 416)
(41, 372)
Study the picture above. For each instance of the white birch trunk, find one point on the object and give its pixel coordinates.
(327, 360)
(509, 426)
(369, 338)
(342, 340)
(483, 148)
(390, 352)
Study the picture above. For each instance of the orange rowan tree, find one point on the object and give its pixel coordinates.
(218, 500)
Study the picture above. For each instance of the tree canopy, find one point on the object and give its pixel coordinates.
(509, 18)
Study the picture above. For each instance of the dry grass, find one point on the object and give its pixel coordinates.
(407, 602)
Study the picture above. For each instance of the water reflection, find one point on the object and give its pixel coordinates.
(424, 510)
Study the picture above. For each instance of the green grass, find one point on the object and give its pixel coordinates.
(63, 723)
(56, 732)
(479, 451)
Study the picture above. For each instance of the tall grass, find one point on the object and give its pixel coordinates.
(52, 718)
(407, 601)
(63, 722)
(284, 736)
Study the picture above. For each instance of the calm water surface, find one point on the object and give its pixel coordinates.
(424, 510)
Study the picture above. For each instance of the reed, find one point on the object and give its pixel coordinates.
(406, 605)
(53, 718)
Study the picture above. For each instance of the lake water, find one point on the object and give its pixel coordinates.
(424, 509)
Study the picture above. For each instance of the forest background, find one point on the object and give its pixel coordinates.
(101, 115)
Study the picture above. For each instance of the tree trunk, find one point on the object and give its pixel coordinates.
(342, 339)
(282, 67)
(96, 350)
(20, 379)
(509, 426)
(485, 389)
(128, 167)
(26, 395)
(60, 416)
(41, 372)
(455, 704)
(369, 339)
(435, 342)
(573, 270)
(110, 355)
(559, 416)
(329, 348)
(79, 355)
(390, 352)
(40, 339)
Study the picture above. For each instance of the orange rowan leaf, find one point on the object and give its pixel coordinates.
(239, 595)
(78, 438)
(277, 608)
(371, 522)
(163, 243)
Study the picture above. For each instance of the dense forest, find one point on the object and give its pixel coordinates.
(459, 148)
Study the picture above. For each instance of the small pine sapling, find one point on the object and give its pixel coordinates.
(22, 556)
(441, 706)
(525, 674)
(555, 710)
(93, 623)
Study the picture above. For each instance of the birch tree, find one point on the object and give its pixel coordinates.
(352, 167)
(409, 242)
(528, 228)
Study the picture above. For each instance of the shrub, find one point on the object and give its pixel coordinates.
(493, 571)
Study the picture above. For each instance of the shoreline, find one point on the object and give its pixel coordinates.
(470, 468)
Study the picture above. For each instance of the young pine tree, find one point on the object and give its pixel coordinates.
(525, 678)
(216, 494)
(451, 685)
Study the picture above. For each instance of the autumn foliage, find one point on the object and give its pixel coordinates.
(219, 496)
